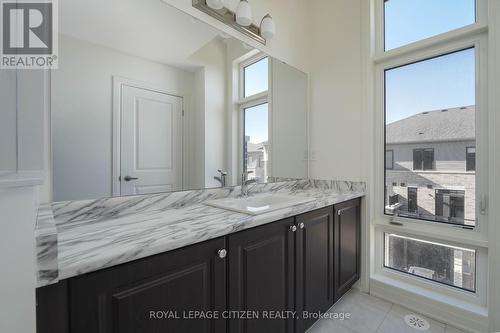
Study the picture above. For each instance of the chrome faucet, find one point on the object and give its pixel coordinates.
(245, 182)
(221, 178)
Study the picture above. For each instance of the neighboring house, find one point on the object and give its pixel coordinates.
(430, 166)
(257, 160)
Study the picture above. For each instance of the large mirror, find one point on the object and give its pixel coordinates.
(148, 99)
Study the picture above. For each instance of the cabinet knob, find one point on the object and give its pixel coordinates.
(222, 253)
(293, 228)
(301, 225)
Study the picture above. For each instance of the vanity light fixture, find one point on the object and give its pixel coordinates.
(240, 20)
(244, 13)
(267, 27)
(215, 4)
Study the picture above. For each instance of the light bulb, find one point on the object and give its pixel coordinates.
(215, 4)
(244, 13)
(267, 27)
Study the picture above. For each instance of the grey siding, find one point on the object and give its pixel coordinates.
(448, 156)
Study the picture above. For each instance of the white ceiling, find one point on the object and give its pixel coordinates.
(147, 28)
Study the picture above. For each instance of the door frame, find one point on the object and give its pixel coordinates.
(118, 83)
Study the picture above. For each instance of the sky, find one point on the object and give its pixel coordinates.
(256, 118)
(256, 123)
(440, 83)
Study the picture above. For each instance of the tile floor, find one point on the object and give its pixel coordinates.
(370, 314)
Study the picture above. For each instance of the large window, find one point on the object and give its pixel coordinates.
(255, 116)
(409, 21)
(430, 64)
(451, 265)
(430, 120)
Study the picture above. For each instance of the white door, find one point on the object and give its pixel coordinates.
(151, 141)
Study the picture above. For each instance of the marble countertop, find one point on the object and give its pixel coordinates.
(79, 237)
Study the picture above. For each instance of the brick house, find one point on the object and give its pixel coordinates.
(430, 166)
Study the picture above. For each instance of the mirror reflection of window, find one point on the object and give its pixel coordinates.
(255, 116)
(256, 144)
(256, 77)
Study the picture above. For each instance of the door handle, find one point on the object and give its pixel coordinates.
(222, 253)
(128, 178)
(341, 211)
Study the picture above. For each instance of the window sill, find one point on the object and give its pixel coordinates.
(454, 311)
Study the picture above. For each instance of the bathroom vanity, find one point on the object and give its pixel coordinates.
(127, 245)
(192, 257)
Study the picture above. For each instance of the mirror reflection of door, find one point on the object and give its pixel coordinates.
(151, 141)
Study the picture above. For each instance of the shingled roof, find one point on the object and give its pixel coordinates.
(442, 125)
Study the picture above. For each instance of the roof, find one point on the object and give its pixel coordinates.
(256, 146)
(442, 125)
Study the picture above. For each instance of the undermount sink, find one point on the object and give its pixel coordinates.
(259, 204)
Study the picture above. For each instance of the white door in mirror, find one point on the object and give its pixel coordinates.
(151, 141)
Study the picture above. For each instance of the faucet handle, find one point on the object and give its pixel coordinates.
(222, 172)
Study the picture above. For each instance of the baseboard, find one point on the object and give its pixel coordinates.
(471, 320)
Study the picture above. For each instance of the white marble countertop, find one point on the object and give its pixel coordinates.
(96, 234)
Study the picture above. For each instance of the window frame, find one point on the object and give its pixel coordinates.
(244, 103)
(473, 36)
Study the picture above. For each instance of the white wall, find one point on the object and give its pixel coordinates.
(8, 122)
(292, 23)
(82, 112)
(17, 258)
(336, 89)
(212, 58)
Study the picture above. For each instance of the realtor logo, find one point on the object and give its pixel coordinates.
(29, 36)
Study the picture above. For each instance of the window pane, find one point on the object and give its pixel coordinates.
(409, 21)
(418, 156)
(256, 77)
(471, 159)
(412, 200)
(454, 266)
(428, 159)
(430, 123)
(256, 143)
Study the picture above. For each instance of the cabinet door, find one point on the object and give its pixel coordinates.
(261, 268)
(314, 258)
(136, 297)
(347, 246)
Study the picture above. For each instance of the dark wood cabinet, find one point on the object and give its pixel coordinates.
(149, 295)
(300, 264)
(52, 310)
(314, 260)
(261, 276)
(347, 246)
